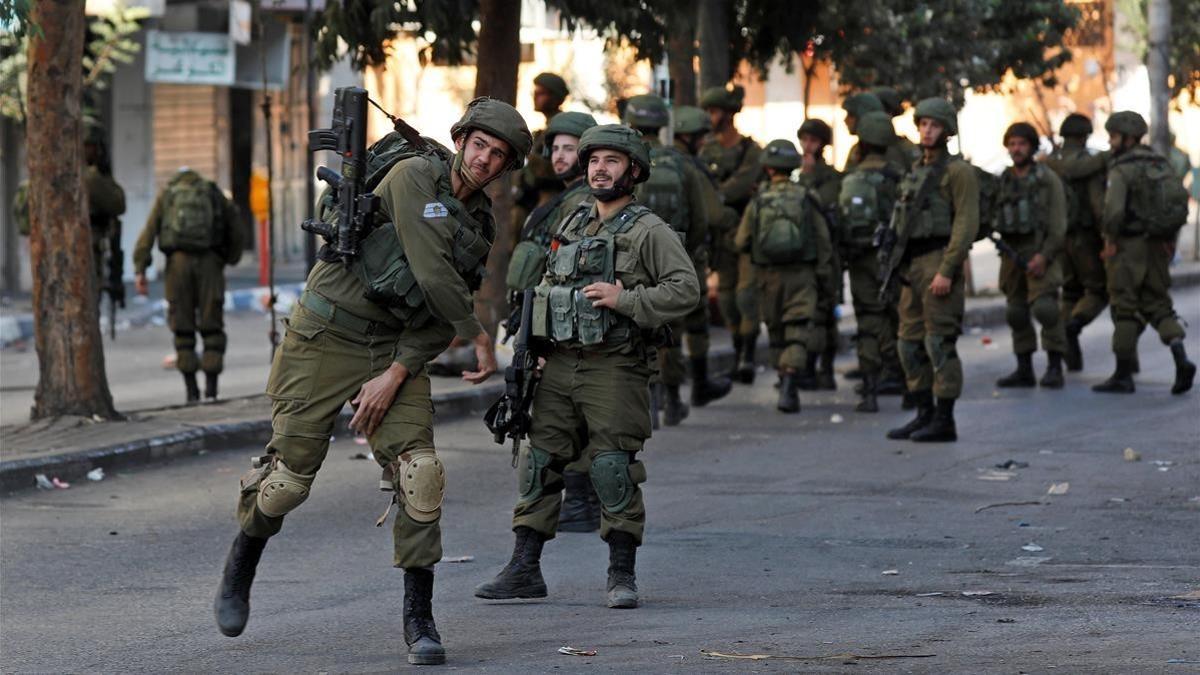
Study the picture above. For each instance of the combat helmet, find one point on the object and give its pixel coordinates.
(570, 123)
(862, 103)
(691, 120)
(552, 83)
(939, 109)
(725, 99)
(1023, 130)
(1126, 123)
(875, 128)
(816, 128)
(499, 119)
(646, 111)
(781, 154)
(893, 103)
(620, 138)
(1075, 124)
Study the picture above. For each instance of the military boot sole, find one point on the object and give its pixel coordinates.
(622, 598)
(1112, 387)
(1184, 377)
(702, 396)
(905, 432)
(1014, 383)
(867, 406)
(1051, 382)
(426, 652)
(527, 591)
(928, 435)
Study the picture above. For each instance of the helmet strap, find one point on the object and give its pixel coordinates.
(622, 187)
(465, 174)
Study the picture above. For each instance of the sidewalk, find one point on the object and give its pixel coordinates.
(70, 447)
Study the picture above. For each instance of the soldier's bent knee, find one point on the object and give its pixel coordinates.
(911, 354)
(531, 468)
(941, 349)
(282, 490)
(1045, 310)
(616, 478)
(422, 483)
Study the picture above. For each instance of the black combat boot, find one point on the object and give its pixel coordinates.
(789, 396)
(745, 363)
(941, 428)
(420, 632)
(577, 514)
(868, 403)
(674, 409)
(807, 379)
(1074, 355)
(622, 582)
(1022, 376)
(210, 386)
(825, 379)
(232, 606)
(891, 383)
(522, 576)
(908, 401)
(1121, 381)
(1185, 371)
(924, 401)
(704, 390)
(1053, 377)
(193, 389)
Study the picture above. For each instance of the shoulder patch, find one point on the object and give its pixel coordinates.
(435, 210)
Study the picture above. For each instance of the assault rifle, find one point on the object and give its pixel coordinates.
(347, 136)
(1008, 251)
(891, 245)
(509, 416)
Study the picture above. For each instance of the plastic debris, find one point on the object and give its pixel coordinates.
(890, 573)
(836, 418)
(1029, 560)
(1058, 488)
(459, 559)
(930, 595)
(43, 483)
(574, 651)
(96, 474)
(985, 507)
(1012, 464)
(1163, 462)
(1032, 548)
(992, 474)
(846, 656)
(1132, 455)
(986, 340)
(976, 594)
(359, 439)
(60, 484)
(1118, 500)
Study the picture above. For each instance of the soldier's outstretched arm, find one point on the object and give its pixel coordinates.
(676, 289)
(1080, 166)
(964, 194)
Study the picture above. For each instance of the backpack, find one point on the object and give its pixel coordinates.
(381, 157)
(189, 221)
(665, 192)
(865, 202)
(785, 227)
(1157, 199)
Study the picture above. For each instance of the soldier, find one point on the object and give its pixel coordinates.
(681, 194)
(1083, 294)
(893, 105)
(785, 233)
(1031, 216)
(823, 183)
(936, 223)
(1144, 206)
(865, 203)
(580, 509)
(858, 105)
(734, 160)
(537, 183)
(617, 272)
(197, 229)
(436, 232)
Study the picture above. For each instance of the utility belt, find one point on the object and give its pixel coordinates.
(326, 309)
(919, 247)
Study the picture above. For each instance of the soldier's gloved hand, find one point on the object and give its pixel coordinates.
(485, 354)
(375, 398)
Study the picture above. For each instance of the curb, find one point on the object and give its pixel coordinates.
(18, 474)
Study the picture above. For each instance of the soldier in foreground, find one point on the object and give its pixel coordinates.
(198, 230)
(434, 234)
(823, 183)
(1084, 294)
(787, 238)
(617, 273)
(936, 223)
(580, 509)
(1144, 207)
(1031, 217)
(734, 160)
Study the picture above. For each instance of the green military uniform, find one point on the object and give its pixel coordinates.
(824, 183)
(1139, 278)
(1084, 294)
(1031, 216)
(901, 151)
(198, 230)
(936, 225)
(535, 183)
(787, 239)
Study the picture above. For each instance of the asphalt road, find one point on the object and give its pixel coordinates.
(768, 535)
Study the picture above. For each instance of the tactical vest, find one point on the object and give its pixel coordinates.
(1021, 203)
(865, 202)
(784, 227)
(1156, 202)
(561, 312)
(528, 262)
(189, 218)
(934, 216)
(665, 191)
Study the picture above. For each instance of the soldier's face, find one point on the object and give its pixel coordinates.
(931, 131)
(605, 167)
(1020, 150)
(720, 118)
(543, 100)
(564, 152)
(851, 123)
(811, 145)
(484, 155)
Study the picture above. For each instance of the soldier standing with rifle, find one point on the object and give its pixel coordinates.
(616, 273)
(934, 224)
(392, 289)
(823, 183)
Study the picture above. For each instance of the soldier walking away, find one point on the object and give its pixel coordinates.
(1030, 215)
(1082, 172)
(936, 222)
(868, 194)
(681, 194)
(197, 229)
(734, 160)
(1144, 207)
(824, 184)
(363, 331)
(616, 273)
(581, 507)
(785, 233)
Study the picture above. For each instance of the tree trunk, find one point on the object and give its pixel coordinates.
(66, 321)
(681, 49)
(498, 54)
(1158, 65)
(713, 31)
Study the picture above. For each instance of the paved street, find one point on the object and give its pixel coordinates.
(767, 535)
